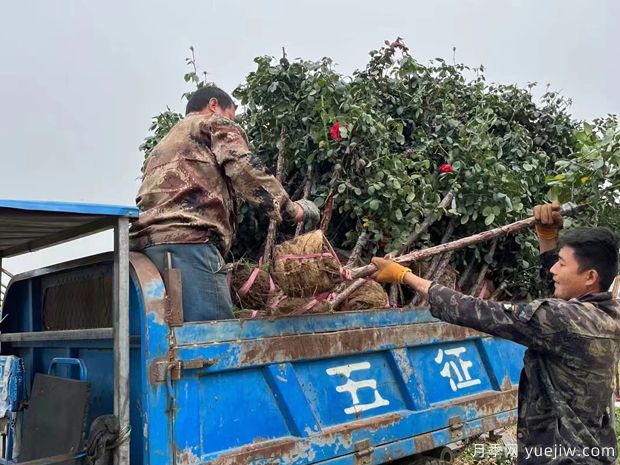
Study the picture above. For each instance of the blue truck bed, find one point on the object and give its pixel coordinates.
(344, 388)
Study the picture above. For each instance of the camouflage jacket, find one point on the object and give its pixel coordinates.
(566, 385)
(190, 183)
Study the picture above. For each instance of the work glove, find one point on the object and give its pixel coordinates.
(389, 271)
(312, 216)
(548, 220)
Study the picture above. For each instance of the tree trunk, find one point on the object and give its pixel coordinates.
(344, 295)
(465, 276)
(475, 290)
(273, 225)
(437, 259)
(307, 188)
(393, 294)
(362, 240)
(329, 202)
(499, 291)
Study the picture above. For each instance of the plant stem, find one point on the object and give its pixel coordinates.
(394, 293)
(273, 225)
(329, 202)
(428, 221)
(475, 290)
(307, 188)
(465, 276)
(438, 258)
(343, 295)
(362, 240)
(499, 291)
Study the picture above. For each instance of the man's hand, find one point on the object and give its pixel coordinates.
(389, 271)
(548, 220)
(309, 213)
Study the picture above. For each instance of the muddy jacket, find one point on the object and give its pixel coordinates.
(190, 182)
(566, 386)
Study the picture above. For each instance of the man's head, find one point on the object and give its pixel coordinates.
(211, 99)
(588, 262)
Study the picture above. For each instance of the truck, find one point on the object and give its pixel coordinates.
(103, 336)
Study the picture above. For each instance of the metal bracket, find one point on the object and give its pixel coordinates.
(159, 369)
(455, 425)
(363, 452)
(174, 293)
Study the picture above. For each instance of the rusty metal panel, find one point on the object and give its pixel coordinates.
(174, 297)
(345, 395)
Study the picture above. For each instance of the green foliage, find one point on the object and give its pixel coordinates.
(398, 122)
(592, 174)
(162, 123)
(160, 126)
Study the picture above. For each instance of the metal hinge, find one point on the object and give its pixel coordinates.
(455, 425)
(363, 452)
(160, 369)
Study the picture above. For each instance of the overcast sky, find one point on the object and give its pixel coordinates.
(80, 80)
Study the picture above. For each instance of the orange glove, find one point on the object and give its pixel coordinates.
(548, 220)
(389, 271)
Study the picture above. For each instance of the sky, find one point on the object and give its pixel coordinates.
(81, 80)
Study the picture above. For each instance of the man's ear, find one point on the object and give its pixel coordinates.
(592, 278)
(213, 104)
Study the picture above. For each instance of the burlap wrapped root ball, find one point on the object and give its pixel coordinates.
(298, 306)
(302, 274)
(447, 278)
(259, 292)
(281, 305)
(369, 296)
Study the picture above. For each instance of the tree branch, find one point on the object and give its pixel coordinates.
(428, 221)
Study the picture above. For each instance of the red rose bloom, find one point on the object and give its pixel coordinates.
(446, 168)
(334, 132)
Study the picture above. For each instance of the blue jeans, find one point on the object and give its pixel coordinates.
(206, 295)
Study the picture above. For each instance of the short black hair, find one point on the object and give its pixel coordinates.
(595, 249)
(200, 99)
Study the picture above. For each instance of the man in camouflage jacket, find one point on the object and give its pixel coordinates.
(566, 409)
(187, 200)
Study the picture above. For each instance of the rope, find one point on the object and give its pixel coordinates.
(123, 436)
(252, 278)
(317, 299)
(345, 273)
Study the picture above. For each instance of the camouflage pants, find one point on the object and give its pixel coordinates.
(206, 295)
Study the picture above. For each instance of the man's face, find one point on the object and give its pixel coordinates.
(569, 281)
